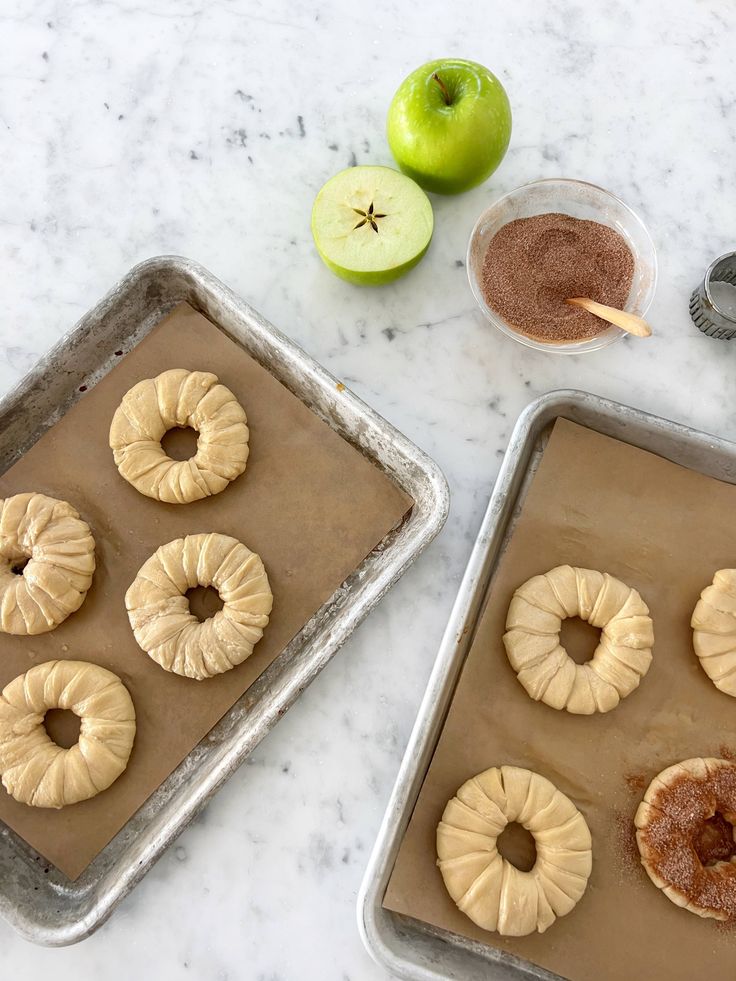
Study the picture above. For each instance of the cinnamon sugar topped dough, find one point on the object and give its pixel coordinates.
(680, 833)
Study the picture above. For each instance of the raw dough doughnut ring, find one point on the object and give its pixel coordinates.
(542, 664)
(163, 624)
(714, 630)
(484, 885)
(179, 398)
(61, 559)
(673, 821)
(35, 770)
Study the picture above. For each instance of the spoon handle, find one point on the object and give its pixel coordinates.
(626, 321)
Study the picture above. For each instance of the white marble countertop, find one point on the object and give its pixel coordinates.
(135, 127)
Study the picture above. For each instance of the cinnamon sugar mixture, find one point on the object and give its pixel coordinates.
(691, 840)
(534, 264)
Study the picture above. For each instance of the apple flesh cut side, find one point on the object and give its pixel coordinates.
(371, 224)
(449, 125)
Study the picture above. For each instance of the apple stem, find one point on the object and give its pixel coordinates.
(445, 94)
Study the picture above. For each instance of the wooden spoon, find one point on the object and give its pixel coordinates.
(626, 321)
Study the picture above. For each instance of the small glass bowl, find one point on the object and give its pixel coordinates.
(579, 200)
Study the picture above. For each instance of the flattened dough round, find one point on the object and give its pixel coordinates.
(163, 624)
(484, 885)
(183, 398)
(714, 630)
(60, 553)
(542, 664)
(670, 823)
(38, 772)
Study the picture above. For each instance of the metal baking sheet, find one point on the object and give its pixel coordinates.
(406, 947)
(37, 899)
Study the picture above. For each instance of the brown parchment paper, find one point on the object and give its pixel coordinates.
(598, 503)
(311, 505)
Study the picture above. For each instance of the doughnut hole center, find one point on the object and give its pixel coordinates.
(715, 842)
(579, 639)
(180, 443)
(517, 846)
(63, 727)
(204, 602)
(18, 565)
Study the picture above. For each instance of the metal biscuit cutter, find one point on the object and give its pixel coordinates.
(708, 312)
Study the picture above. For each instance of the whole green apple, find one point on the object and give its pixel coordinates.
(449, 125)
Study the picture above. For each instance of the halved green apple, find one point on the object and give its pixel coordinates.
(371, 224)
